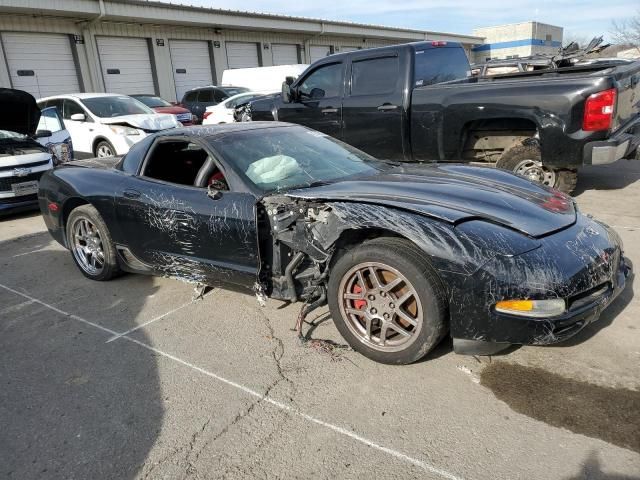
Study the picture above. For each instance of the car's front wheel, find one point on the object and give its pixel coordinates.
(90, 243)
(387, 301)
(104, 149)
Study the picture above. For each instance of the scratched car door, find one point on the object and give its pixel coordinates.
(180, 232)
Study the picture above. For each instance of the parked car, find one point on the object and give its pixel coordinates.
(59, 141)
(415, 102)
(198, 99)
(107, 124)
(23, 159)
(404, 254)
(160, 105)
(224, 111)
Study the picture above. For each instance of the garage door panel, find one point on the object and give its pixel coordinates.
(242, 55)
(319, 51)
(48, 56)
(191, 65)
(130, 58)
(284, 54)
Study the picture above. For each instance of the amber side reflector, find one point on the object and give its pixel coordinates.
(518, 305)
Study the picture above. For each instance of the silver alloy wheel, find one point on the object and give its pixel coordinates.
(536, 172)
(86, 246)
(380, 306)
(104, 150)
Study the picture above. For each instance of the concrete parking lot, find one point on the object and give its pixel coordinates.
(135, 379)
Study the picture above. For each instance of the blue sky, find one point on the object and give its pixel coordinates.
(585, 18)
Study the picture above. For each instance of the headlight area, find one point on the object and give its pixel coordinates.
(123, 130)
(532, 308)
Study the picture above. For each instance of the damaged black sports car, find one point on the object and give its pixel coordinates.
(402, 254)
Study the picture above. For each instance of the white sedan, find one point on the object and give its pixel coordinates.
(223, 111)
(107, 124)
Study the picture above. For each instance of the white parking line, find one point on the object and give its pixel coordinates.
(29, 253)
(159, 317)
(280, 405)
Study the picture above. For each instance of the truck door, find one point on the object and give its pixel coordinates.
(319, 100)
(372, 110)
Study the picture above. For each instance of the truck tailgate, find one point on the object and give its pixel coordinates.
(628, 84)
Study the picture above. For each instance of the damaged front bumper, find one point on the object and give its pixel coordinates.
(583, 265)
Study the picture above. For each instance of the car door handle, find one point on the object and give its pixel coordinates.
(329, 110)
(387, 106)
(131, 193)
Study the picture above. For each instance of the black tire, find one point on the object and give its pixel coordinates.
(104, 146)
(410, 262)
(110, 268)
(565, 179)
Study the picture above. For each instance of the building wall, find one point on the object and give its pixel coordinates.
(521, 39)
(88, 61)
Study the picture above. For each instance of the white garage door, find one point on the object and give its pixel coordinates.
(41, 63)
(318, 51)
(284, 54)
(126, 65)
(242, 55)
(191, 63)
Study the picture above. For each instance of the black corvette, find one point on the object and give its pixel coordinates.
(403, 254)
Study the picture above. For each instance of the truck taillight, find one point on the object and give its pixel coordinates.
(206, 115)
(598, 110)
(439, 43)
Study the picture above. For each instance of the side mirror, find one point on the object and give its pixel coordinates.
(78, 117)
(214, 190)
(286, 93)
(43, 134)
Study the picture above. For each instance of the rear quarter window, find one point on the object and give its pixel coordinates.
(438, 64)
(374, 76)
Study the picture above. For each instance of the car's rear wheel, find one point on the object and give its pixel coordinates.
(104, 149)
(387, 301)
(90, 243)
(525, 160)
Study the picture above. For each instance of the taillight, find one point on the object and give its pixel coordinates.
(439, 43)
(206, 115)
(598, 110)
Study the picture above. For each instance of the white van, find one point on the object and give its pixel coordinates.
(262, 79)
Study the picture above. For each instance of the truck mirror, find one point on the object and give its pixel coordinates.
(286, 92)
(289, 80)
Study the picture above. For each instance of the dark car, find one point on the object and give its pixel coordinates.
(160, 105)
(416, 103)
(198, 99)
(403, 254)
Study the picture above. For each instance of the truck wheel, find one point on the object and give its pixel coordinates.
(525, 160)
(90, 243)
(387, 301)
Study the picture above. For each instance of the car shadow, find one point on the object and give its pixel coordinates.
(616, 176)
(71, 405)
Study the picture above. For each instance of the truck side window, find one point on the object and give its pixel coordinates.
(440, 64)
(324, 82)
(374, 76)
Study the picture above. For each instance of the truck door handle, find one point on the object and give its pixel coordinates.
(131, 193)
(329, 110)
(387, 106)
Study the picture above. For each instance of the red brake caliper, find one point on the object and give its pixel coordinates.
(358, 304)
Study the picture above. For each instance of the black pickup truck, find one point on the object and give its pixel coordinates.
(418, 102)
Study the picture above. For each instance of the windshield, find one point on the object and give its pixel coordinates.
(285, 158)
(108, 107)
(231, 91)
(151, 101)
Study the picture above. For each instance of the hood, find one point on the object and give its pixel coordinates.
(456, 193)
(21, 113)
(174, 109)
(150, 122)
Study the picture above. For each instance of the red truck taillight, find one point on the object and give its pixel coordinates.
(598, 110)
(206, 115)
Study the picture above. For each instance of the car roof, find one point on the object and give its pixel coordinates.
(81, 96)
(212, 131)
